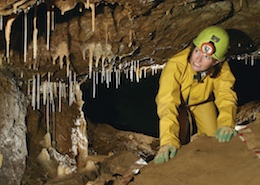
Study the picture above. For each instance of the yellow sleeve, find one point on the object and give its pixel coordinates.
(168, 100)
(225, 97)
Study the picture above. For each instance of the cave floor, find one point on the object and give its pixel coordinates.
(205, 161)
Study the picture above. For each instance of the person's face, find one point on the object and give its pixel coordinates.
(200, 61)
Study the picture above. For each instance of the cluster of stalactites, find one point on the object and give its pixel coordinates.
(248, 59)
(50, 26)
(105, 61)
(131, 70)
(50, 93)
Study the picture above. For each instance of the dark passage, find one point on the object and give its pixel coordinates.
(132, 106)
(247, 81)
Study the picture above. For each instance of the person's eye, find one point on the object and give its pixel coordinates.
(207, 57)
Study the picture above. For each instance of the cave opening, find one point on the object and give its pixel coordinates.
(130, 107)
(247, 80)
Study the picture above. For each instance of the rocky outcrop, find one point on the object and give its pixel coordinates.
(13, 146)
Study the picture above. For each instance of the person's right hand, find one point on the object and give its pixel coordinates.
(165, 153)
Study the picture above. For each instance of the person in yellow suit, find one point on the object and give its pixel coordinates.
(199, 79)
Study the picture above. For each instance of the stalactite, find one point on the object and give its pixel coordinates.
(91, 48)
(1, 22)
(60, 95)
(38, 91)
(94, 85)
(48, 18)
(132, 71)
(69, 86)
(107, 77)
(80, 7)
(252, 60)
(51, 96)
(44, 93)
(8, 29)
(117, 77)
(35, 34)
(102, 70)
(48, 104)
(137, 72)
(55, 89)
(87, 4)
(33, 91)
(92, 7)
(52, 17)
(246, 58)
(25, 36)
(17, 4)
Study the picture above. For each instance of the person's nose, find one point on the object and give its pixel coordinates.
(199, 57)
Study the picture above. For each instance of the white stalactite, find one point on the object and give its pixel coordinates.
(8, 29)
(252, 60)
(33, 92)
(94, 85)
(25, 37)
(47, 113)
(131, 71)
(97, 77)
(117, 77)
(107, 77)
(44, 92)
(35, 35)
(137, 71)
(102, 70)
(87, 4)
(51, 93)
(48, 28)
(38, 91)
(48, 103)
(55, 89)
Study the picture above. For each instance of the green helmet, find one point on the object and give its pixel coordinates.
(213, 41)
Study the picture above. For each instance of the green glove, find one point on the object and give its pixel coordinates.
(224, 134)
(165, 153)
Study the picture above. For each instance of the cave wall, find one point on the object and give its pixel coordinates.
(13, 144)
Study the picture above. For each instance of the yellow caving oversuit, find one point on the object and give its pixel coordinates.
(177, 85)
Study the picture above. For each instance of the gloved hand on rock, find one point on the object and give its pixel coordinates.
(225, 133)
(165, 153)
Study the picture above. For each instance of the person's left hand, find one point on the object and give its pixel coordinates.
(165, 153)
(225, 133)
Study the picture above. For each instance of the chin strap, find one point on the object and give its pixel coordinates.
(199, 76)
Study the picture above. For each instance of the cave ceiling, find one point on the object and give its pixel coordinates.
(84, 36)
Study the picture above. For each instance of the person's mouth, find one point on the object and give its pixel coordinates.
(196, 64)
